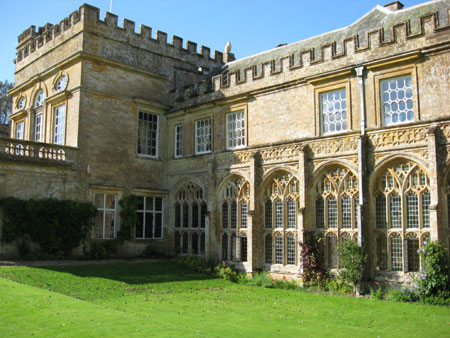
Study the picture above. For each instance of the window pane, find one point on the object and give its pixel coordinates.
(396, 211)
(225, 215)
(233, 247)
(333, 111)
(203, 213)
(397, 100)
(235, 130)
(109, 224)
(426, 201)
(177, 242)
(148, 134)
(396, 254)
(381, 252)
(148, 225)
(278, 249)
(412, 210)
(291, 214)
(244, 248)
(268, 213)
(185, 244)
(233, 215)
(268, 249)
(319, 213)
(177, 215)
(202, 243)
(194, 215)
(244, 214)
(185, 215)
(381, 211)
(413, 255)
(291, 250)
(38, 128)
(225, 247)
(158, 226)
(203, 136)
(178, 140)
(332, 213)
(279, 213)
(59, 125)
(346, 212)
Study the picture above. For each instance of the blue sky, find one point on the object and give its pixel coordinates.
(251, 26)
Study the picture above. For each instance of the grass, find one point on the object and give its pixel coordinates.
(163, 299)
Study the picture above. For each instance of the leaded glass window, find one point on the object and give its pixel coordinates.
(396, 211)
(412, 210)
(426, 201)
(413, 255)
(279, 214)
(235, 130)
(291, 250)
(268, 249)
(203, 136)
(333, 111)
(397, 100)
(225, 247)
(291, 214)
(320, 219)
(381, 211)
(149, 212)
(178, 140)
(396, 253)
(244, 248)
(332, 213)
(278, 249)
(268, 213)
(244, 211)
(381, 252)
(148, 134)
(38, 128)
(346, 205)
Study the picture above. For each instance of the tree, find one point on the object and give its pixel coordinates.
(5, 101)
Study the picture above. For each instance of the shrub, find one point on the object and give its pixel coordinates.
(260, 279)
(58, 226)
(227, 272)
(352, 260)
(434, 278)
(336, 286)
(312, 260)
(101, 249)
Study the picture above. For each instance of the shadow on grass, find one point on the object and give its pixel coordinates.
(134, 273)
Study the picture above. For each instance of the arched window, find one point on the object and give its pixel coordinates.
(190, 215)
(235, 197)
(281, 194)
(39, 99)
(336, 194)
(402, 203)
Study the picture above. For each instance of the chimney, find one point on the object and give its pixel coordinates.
(394, 6)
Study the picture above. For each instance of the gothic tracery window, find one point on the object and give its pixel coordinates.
(235, 197)
(281, 196)
(190, 220)
(402, 209)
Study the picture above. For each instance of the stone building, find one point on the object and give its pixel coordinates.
(345, 134)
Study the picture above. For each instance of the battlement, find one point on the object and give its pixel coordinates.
(345, 47)
(30, 40)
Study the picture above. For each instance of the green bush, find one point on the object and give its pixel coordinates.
(402, 295)
(58, 226)
(227, 272)
(434, 278)
(101, 249)
(352, 260)
(196, 263)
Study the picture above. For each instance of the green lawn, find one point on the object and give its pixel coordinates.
(164, 299)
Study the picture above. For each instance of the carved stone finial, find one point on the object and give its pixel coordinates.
(227, 54)
(228, 47)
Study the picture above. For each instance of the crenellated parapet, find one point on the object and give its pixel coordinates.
(382, 33)
(88, 16)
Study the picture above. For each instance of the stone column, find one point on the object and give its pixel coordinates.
(433, 171)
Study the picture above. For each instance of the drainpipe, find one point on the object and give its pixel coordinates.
(362, 98)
